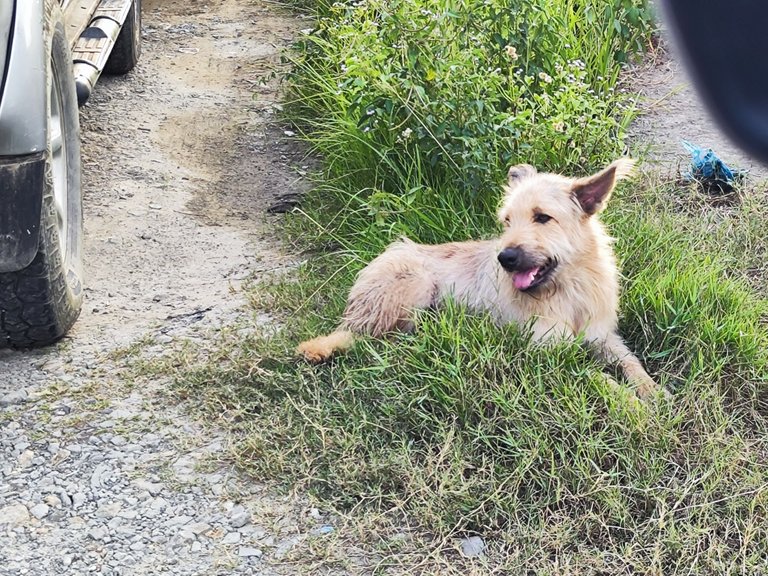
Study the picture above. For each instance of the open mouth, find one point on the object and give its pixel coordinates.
(526, 280)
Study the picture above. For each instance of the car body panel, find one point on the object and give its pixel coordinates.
(6, 27)
(23, 106)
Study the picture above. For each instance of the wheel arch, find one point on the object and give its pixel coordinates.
(24, 128)
(23, 110)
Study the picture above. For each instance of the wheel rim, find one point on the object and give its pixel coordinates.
(58, 149)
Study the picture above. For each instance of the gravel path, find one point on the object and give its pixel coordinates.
(97, 474)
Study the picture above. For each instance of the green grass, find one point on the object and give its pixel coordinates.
(463, 427)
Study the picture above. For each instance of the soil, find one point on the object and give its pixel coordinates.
(182, 159)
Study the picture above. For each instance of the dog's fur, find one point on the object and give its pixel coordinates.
(553, 267)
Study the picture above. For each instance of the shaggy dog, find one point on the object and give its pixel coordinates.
(552, 267)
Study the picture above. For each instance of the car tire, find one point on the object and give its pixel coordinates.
(41, 302)
(125, 54)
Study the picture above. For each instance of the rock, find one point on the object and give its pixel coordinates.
(14, 515)
(159, 504)
(13, 398)
(198, 528)
(472, 546)
(247, 552)
(154, 488)
(40, 511)
(98, 533)
(231, 538)
(108, 510)
(25, 458)
(240, 520)
(118, 441)
(78, 499)
(52, 500)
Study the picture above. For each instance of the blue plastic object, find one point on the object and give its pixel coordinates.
(709, 170)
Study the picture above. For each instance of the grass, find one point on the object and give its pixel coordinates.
(463, 427)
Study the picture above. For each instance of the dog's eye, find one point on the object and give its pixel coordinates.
(541, 218)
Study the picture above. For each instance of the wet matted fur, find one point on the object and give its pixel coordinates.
(552, 267)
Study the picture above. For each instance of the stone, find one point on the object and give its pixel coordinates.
(14, 515)
(108, 510)
(40, 511)
(52, 500)
(198, 528)
(247, 552)
(78, 499)
(472, 546)
(154, 488)
(14, 397)
(98, 533)
(240, 520)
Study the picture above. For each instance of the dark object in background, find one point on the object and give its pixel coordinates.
(724, 44)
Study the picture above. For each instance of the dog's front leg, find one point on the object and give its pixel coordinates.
(615, 351)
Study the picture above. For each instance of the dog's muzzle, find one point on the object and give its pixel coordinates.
(511, 258)
(527, 274)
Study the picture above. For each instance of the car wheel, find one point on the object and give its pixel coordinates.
(41, 302)
(127, 49)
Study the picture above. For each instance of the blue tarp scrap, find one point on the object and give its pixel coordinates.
(709, 170)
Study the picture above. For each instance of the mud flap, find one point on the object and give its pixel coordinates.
(22, 179)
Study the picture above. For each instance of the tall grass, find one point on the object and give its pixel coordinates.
(454, 92)
(416, 109)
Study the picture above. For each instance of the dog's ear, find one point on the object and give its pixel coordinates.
(592, 193)
(519, 172)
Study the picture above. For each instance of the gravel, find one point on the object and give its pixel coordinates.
(99, 474)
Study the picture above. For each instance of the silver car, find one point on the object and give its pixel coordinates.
(52, 52)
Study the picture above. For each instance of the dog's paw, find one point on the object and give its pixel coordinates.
(648, 389)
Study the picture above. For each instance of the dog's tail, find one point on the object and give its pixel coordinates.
(322, 348)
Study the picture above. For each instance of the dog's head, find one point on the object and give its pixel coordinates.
(548, 221)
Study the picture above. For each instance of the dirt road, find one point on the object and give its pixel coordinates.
(180, 163)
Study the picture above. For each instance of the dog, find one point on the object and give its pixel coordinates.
(552, 268)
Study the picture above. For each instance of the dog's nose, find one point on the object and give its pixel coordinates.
(510, 258)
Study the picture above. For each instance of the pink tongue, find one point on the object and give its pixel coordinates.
(524, 279)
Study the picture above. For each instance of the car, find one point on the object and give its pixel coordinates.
(52, 53)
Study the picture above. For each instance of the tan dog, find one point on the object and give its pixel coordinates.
(553, 266)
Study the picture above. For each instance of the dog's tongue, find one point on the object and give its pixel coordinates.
(525, 278)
